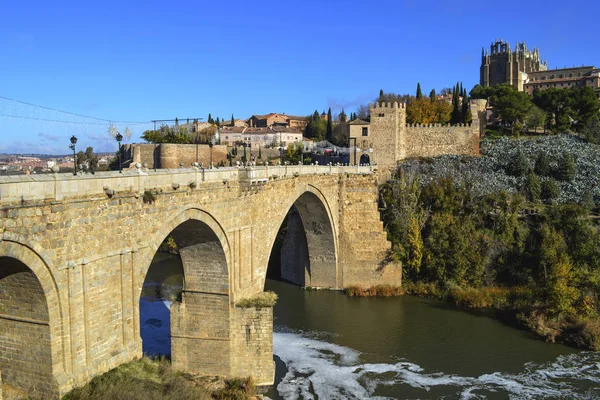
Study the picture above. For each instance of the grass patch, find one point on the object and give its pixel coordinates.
(155, 379)
(260, 300)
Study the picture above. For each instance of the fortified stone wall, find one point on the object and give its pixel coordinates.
(434, 139)
(394, 140)
(169, 155)
(89, 240)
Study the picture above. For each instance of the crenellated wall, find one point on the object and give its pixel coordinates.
(170, 155)
(89, 240)
(392, 139)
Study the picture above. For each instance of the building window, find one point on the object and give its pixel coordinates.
(381, 115)
(365, 131)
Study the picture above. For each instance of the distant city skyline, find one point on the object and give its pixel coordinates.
(137, 61)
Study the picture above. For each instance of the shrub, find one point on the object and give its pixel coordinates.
(261, 300)
(148, 197)
(542, 165)
(566, 168)
(374, 291)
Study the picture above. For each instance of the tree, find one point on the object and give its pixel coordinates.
(456, 111)
(536, 117)
(419, 93)
(533, 187)
(362, 112)
(591, 130)
(566, 168)
(432, 96)
(542, 165)
(329, 134)
(381, 95)
(87, 160)
(518, 165)
(217, 122)
(510, 105)
(467, 116)
(232, 120)
(550, 190)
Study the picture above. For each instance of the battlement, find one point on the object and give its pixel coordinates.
(461, 125)
(387, 105)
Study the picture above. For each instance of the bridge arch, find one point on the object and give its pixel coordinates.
(30, 322)
(200, 318)
(309, 248)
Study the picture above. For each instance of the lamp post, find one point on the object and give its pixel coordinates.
(72, 147)
(119, 137)
(210, 146)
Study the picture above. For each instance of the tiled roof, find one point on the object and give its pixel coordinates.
(359, 122)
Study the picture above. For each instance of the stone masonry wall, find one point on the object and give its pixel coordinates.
(394, 140)
(90, 251)
(169, 155)
(25, 357)
(434, 140)
(252, 344)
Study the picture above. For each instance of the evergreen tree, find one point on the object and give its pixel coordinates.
(432, 95)
(566, 168)
(176, 122)
(542, 165)
(518, 166)
(232, 120)
(343, 116)
(550, 190)
(217, 122)
(210, 119)
(329, 135)
(316, 116)
(533, 187)
(456, 112)
(380, 95)
(466, 114)
(419, 93)
(460, 90)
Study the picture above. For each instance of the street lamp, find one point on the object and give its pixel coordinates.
(119, 137)
(210, 146)
(72, 147)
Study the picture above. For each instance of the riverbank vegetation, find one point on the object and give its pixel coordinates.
(515, 230)
(147, 379)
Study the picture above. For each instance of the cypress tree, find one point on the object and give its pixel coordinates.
(432, 95)
(210, 120)
(232, 120)
(466, 110)
(329, 135)
(419, 93)
(217, 121)
(380, 95)
(518, 165)
(461, 89)
(550, 190)
(316, 116)
(456, 114)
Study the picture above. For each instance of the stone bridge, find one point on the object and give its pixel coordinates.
(75, 250)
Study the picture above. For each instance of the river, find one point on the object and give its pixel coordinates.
(330, 346)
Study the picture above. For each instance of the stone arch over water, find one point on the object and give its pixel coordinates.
(31, 353)
(200, 315)
(306, 245)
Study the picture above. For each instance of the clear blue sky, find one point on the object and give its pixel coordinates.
(138, 61)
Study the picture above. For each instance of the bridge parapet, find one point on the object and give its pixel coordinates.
(56, 187)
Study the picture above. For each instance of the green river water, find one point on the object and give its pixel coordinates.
(330, 346)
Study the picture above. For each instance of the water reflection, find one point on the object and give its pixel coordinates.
(162, 286)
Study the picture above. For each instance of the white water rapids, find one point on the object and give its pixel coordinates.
(318, 369)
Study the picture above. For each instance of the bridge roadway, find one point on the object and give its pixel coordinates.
(74, 252)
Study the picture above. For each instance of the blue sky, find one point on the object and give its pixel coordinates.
(139, 61)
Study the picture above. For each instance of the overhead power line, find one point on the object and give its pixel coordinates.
(72, 122)
(70, 113)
